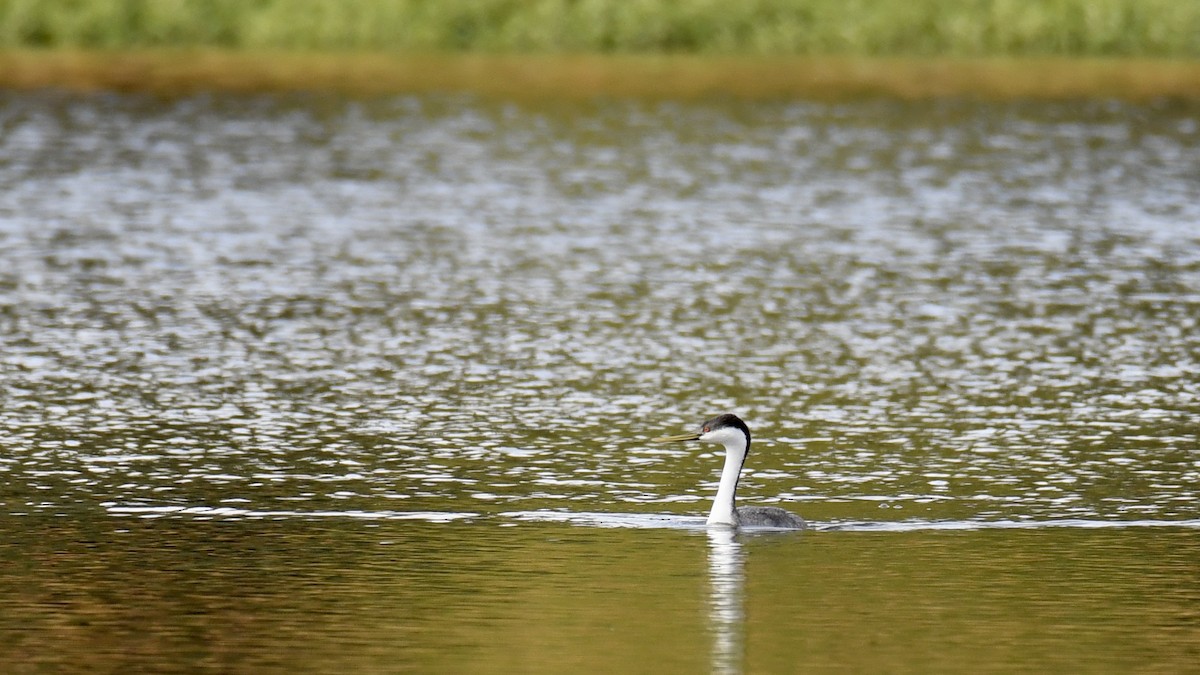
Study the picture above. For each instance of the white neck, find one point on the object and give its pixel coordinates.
(723, 509)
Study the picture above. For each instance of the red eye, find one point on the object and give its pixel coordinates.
(706, 430)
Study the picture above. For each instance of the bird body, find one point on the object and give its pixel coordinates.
(731, 432)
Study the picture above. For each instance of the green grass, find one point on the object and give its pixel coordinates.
(1144, 28)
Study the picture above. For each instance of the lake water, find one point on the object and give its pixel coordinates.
(296, 383)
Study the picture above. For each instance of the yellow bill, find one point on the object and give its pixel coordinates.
(674, 439)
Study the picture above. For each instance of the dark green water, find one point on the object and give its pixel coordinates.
(307, 384)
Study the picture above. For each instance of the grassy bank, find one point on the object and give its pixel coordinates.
(959, 28)
(539, 77)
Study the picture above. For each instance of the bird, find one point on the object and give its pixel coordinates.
(729, 430)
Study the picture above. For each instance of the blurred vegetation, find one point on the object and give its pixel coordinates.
(1146, 28)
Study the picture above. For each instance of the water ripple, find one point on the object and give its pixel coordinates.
(942, 310)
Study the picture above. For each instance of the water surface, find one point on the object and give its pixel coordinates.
(301, 382)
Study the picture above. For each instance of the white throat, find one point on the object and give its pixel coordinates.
(723, 511)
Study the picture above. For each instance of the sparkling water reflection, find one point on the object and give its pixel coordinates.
(963, 311)
(421, 313)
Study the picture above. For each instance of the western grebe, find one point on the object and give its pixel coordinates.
(732, 432)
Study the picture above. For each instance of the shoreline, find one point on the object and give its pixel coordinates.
(579, 77)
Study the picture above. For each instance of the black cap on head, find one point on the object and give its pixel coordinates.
(727, 420)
